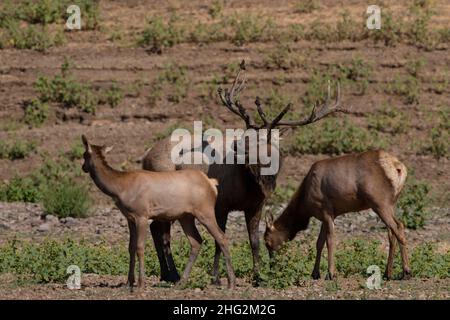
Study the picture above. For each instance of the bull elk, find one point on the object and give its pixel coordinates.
(241, 186)
(142, 195)
(332, 187)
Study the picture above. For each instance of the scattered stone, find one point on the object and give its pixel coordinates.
(4, 226)
(45, 227)
(69, 221)
(51, 219)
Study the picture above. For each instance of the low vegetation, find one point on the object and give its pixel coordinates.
(172, 84)
(39, 24)
(68, 92)
(413, 204)
(389, 120)
(54, 184)
(20, 149)
(47, 261)
(333, 137)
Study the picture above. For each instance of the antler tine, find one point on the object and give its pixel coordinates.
(225, 98)
(228, 97)
(324, 110)
(280, 116)
(261, 112)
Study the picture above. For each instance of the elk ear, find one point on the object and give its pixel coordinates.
(107, 149)
(87, 146)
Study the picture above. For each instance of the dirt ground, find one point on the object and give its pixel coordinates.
(132, 126)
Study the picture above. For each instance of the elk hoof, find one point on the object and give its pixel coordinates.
(232, 286)
(170, 277)
(330, 276)
(406, 275)
(256, 280)
(315, 275)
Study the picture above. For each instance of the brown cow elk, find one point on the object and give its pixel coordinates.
(142, 195)
(332, 187)
(241, 187)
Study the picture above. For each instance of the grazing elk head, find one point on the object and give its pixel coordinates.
(268, 139)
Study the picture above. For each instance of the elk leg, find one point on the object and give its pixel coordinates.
(386, 214)
(161, 237)
(210, 223)
(390, 262)
(188, 224)
(403, 249)
(330, 246)
(319, 246)
(141, 226)
(221, 218)
(252, 220)
(132, 251)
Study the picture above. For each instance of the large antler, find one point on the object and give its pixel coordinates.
(321, 112)
(228, 98)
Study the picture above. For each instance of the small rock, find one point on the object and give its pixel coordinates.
(4, 226)
(69, 221)
(45, 227)
(197, 290)
(51, 218)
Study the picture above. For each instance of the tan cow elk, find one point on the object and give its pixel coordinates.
(332, 187)
(241, 186)
(142, 195)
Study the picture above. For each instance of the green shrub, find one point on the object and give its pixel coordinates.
(438, 143)
(64, 89)
(427, 263)
(159, 35)
(23, 189)
(174, 81)
(47, 261)
(412, 207)
(391, 31)
(34, 37)
(18, 150)
(45, 12)
(30, 188)
(306, 6)
(406, 86)
(114, 95)
(76, 151)
(36, 112)
(333, 137)
(354, 256)
(66, 198)
(216, 8)
(389, 120)
(283, 57)
(250, 28)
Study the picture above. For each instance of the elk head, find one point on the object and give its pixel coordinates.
(272, 237)
(90, 152)
(230, 101)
